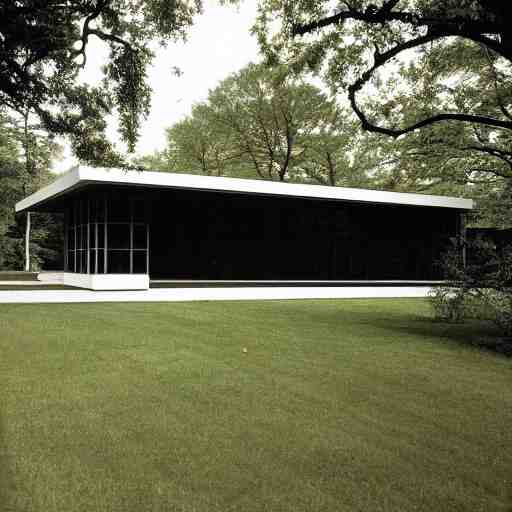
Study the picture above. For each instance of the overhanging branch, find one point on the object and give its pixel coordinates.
(482, 31)
(380, 59)
(385, 15)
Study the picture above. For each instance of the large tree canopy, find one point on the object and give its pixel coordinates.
(360, 38)
(267, 124)
(44, 44)
(430, 81)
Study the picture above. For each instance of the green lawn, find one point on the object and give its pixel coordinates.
(347, 405)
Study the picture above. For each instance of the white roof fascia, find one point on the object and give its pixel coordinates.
(66, 182)
(82, 175)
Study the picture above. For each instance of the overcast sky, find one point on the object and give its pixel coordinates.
(219, 43)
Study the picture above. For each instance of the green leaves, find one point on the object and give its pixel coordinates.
(44, 45)
(25, 157)
(265, 123)
(354, 42)
(127, 73)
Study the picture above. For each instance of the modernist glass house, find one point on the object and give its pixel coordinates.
(123, 228)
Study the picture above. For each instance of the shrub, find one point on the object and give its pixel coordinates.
(480, 288)
(499, 305)
(448, 303)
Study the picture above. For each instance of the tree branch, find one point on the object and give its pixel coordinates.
(505, 156)
(454, 25)
(86, 31)
(383, 58)
(499, 97)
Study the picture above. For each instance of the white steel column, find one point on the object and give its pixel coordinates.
(88, 231)
(147, 246)
(131, 237)
(27, 243)
(66, 241)
(105, 238)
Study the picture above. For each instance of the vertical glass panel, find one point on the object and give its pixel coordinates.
(139, 236)
(138, 210)
(92, 238)
(92, 255)
(118, 210)
(80, 212)
(101, 235)
(139, 262)
(93, 205)
(71, 262)
(71, 239)
(101, 209)
(118, 262)
(118, 236)
(101, 261)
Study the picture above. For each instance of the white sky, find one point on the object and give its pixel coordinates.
(218, 44)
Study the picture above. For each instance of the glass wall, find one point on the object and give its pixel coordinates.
(107, 235)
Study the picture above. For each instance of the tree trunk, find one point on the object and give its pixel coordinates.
(332, 170)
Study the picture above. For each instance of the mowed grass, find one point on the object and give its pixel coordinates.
(348, 405)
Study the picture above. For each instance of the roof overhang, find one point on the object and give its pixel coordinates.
(81, 176)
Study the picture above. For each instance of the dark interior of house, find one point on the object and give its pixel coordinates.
(194, 234)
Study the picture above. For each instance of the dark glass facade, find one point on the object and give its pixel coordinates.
(106, 234)
(202, 234)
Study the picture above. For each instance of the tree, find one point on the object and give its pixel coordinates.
(451, 158)
(200, 142)
(337, 154)
(265, 123)
(360, 37)
(268, 117)
(25, 158)
(431, 82)
(481, 283)
(44, 45)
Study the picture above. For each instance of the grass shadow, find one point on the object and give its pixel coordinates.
(475, 333)
(478, 334)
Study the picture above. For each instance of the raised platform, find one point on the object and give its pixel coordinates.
(177, 294)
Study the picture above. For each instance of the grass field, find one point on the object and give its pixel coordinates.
(348, 405)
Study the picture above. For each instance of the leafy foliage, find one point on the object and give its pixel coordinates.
(435, 76)
(355, 41)
(447, 303)
(25, 156)
(268, 124)
(482, 283)
(44, 46)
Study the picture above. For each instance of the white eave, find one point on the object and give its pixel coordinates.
(80, 176)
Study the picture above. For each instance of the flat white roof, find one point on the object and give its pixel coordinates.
(81, 175)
